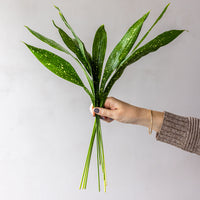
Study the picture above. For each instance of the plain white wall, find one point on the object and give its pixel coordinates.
(45, 121)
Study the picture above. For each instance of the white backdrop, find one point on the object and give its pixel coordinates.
(45, 121)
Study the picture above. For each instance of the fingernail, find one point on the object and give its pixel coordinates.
(102, 117)
(96, 110)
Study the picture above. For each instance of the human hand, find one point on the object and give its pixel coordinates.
(114, 109)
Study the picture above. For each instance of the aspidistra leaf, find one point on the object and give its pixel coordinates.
(56, 64)
(98, 55)
(48, 41)
(80, 43)
(71, 44)
(153, 45)
(159, 41)
(122, 49)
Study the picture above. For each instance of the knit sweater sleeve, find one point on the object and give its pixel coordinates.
(180, 131)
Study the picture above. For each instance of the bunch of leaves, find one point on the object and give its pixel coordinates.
(100, 79)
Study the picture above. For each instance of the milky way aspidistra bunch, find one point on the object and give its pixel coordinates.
(100, 79)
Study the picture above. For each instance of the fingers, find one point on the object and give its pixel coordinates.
(104, 112)
(105, 118)
(110, 103)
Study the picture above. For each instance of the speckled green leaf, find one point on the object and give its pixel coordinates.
(153, 45)
(160, 16)
(122, 49)
(99, 50)
(48, 41)
(159, 41)
(56, 64)
(81, 45)
(71, 44)
(98, 55)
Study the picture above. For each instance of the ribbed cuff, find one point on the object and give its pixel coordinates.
(180, 131)
(193, 139)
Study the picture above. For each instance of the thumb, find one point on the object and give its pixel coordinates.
(104, 112)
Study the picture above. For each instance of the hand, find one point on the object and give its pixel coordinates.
(114, 109)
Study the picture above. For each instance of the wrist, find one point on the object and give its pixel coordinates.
(143, 117)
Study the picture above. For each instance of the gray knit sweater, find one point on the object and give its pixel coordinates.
(180, 131)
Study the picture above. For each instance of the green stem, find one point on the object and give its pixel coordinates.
(87, 162)
(97, 141)
(101, 150)
(100, 154)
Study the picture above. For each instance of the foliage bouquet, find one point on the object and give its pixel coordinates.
(100, 79)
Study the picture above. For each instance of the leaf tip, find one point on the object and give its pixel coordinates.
(181, 31)
(147, 14)
(168, 4)
(27, 28)
(25, 43)
(102, 26)
(55, 7)
(54, 23)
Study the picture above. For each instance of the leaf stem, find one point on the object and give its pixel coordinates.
(87, 162)
(102, 153)
(98, 158)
